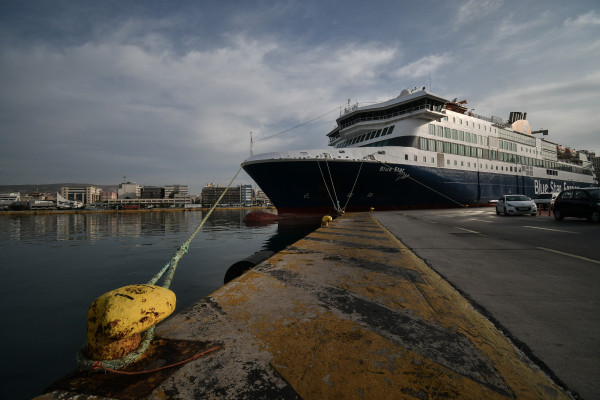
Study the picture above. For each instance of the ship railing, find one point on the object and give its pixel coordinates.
(430, 107)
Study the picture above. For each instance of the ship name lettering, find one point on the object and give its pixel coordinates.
(552, 187)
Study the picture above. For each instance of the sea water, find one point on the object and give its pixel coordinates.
(53, 266)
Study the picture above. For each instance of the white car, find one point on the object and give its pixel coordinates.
(515, 204)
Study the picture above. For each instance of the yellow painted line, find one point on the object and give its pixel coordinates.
(480, 220)
(571, 255)
(550, 229)
(467, 230)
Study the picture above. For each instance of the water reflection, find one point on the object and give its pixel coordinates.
(54, 266)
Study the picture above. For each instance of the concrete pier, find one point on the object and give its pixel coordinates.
(347, 312)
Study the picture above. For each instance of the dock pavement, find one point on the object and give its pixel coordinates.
(348, 312)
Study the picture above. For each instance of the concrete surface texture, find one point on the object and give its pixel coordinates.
(347, 312)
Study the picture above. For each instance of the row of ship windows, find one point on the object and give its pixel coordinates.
(460, 122)
(440, 131)
(462, 150)
(468, 164)
(366, 136)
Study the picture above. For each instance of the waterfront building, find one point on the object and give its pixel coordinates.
(152, 192)
(247, 195)
(105, 196)
(233, 197)
(177, 189)
(129, 190)
(262, 199)
(83, 194)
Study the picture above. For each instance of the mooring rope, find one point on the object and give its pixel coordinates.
(430, 188)
(148, 335)
(333, 187)
(326, 187)
(353, 186)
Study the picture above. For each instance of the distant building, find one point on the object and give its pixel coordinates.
(108, 196)
(129, 190)
(152, 192)
(177, 189)
(235, 196)
(262, 199)
(83, 194)
(246, 195)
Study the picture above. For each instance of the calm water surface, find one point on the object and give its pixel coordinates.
(54, 266)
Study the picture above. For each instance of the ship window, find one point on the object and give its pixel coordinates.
(461, 149)
(440, 146)
(432, 144)
(440, 131)
(454, 134)
(446, 147)
(390, 130)
(474, 138)
(379, 132)
(468, 151)
(454, 148)
(424, 159)
(432, 129)
(448, 162)
(447, 133)
(455, 163)
(460, 121)
(406, 156)
(415, 157)
(462, 163)
(461, 135)
(423, 143)
(432, 160)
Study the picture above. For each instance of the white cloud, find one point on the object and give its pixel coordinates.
(200, 104)
(590, 18)
(424, 66)
(474, 10)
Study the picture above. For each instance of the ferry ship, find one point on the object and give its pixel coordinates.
(418, 150)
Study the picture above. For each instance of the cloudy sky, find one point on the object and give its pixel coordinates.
(167, 92)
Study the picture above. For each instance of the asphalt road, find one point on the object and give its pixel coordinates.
(537, 278)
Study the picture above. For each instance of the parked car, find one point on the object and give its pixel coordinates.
(515, 204)
(579, 203)
(543, 200)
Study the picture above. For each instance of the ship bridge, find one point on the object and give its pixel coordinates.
(409, 104)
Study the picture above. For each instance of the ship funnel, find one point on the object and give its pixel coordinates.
(515, 116)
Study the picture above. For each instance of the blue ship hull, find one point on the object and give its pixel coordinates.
(319, 186)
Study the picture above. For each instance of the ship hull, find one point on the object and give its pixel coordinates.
(320, 186)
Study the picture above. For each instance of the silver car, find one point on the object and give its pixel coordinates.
(515, 204)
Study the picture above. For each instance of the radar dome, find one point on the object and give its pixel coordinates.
(404, 92)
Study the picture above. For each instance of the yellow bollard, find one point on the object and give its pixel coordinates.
(325, 220)
(116, 319)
